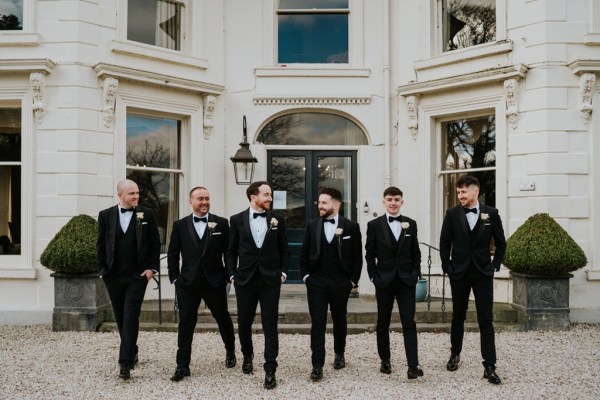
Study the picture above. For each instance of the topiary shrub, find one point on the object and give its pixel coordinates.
(73, 249)
(541, 246)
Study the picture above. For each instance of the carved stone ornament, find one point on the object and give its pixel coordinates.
(209, 109)
(511, 88)
(587, 81)
(109, 96)
(413, 120)
(38, 88)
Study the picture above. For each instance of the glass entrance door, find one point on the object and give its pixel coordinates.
(296, 177)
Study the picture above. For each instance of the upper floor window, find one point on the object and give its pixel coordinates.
(313, 31)
(312, 129)
(10, 181)
(469, 147)
(153, 162)
(11, 15)
(155, 22)
(467, 23)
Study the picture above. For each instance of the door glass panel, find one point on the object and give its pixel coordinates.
(288, 181)
(336, 172)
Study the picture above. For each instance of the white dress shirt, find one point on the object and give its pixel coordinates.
(200, 226)
(258, 227)
(395, 226)
(125, 218)
(329, 228)
(473, 217)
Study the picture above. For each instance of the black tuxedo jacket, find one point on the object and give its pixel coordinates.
(385, 260)
(244, 258)
(459, 247)
(349, 248)
(195, 262)
(148, 240)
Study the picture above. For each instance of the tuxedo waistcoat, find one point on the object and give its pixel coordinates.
(329, 260)
(126, 248)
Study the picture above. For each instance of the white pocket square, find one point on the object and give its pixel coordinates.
(216, 233)
(144, 223)
(407, 235)
(346, 237)
(274, 229)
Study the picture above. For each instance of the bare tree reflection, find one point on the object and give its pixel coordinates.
(280, 130)
(469, 23)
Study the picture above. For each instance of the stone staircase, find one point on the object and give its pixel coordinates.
(295, 319)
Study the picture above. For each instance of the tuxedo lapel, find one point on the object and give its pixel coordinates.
(402, 236)
(339, 238)
(189, 223)
(208, 234)
(463, 220)
(319, 232)
(113, 221)
(246, 225)
(387, 239)
(138, 228)
(479, 225)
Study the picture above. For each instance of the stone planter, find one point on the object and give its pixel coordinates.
(542, 301)
(80, 301)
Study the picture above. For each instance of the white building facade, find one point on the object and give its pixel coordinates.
(354, 94)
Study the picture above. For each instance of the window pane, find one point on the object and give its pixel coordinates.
(159, 192)
(336, 172)
(155, 22)
(11, 15)
(313, 129)
(153, 141)
(487, 190)
(313, 38)
(289, 176)
(468, 23)
(10, 209)
(10, 134)
(312, 4)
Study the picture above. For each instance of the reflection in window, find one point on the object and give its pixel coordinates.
(468, 23)
(336, 172)
(288, 181)
(11, 15)
(10, 181)
(312, 129)
(155, 22)
(313, 31)
(469, 147)
(153, 162)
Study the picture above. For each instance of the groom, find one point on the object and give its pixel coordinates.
(257, 261)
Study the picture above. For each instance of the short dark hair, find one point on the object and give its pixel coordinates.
(467, 180)
(197, 188)
(392, 191)
(254, 187)
(334, 193)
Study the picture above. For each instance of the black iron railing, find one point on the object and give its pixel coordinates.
(428, 297)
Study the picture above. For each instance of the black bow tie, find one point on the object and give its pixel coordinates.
(392, 219)
(332, 220)
(264, 215)
(473, 210)
(124, 210)
(203, 219)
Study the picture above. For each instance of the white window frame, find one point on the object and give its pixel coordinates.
(592, 37)
(27, 36)
(593, 273)
(21, 266)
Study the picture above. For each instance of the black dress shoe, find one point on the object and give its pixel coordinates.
(135, 362)
(339, 362)
(316, 374)
(453, 362)
(230, 360)
(125, 372)
(247, 364)
(270, 381)
(414, 372)
(386, 367)
(489, 373)
(180, 373)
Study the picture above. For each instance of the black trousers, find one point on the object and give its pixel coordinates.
(405, 296)
(483, 290)
(333, 294)
(188, 299)
(126, 292)
(248, 296)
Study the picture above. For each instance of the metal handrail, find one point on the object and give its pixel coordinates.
(429, 261)
(158, 287)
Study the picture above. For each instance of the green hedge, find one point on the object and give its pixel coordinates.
(542, 246)
(73, 249)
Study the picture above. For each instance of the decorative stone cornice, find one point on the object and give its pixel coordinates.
(209, 109)
(38, 89)
(311, 101)
(28, 65)
(492, 75)
(413, 121)
(109, 96)
(582, 66)
(153, 78)
(587, 70)
(511, 88)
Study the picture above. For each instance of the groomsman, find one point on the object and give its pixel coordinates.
(330, 265)
(465, 242)
(257, 261)
(201, 239)
(394, 265)
(128, 252)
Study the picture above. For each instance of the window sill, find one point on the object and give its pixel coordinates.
(593, 275)
(17, 273)
(456, 56)
(19, 39)
(592, 39)
(312, 72)
(157, 53)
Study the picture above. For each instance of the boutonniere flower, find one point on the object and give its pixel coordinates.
(405, 225)
(211, 226)
(338, 234)
(139, 216)
(485, 217)
(274, 222)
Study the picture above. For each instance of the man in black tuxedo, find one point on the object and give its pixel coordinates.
(330, 265)
(465, 242)
(201, 240)
(257, 260)
(394, 265)
(128, 252)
